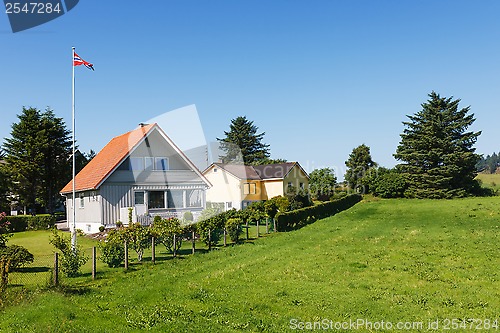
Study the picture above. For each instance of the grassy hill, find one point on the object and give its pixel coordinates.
(490, 180)
(385, 260)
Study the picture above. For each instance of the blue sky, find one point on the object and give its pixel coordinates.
(319, 77)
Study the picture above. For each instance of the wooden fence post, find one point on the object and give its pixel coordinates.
(153, 250)
(209, 240)
(225, 237)
(93, 263)
(175, 246)
(247, 228)
(267, 225)
(275, 226)
(126, 255)
(257, 228)
(193, 240)
(56, 269)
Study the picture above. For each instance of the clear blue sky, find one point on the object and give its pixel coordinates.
(319, 77)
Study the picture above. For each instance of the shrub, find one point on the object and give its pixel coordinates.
(4, 226)
(112, 249)
(188, 217)
(234, 230)
(72, 259)
(119, 224)
(29, 222)
(138, 237)
(17, 256)
(296, 219)
(101, 228)
(390, 184)
(214, 223)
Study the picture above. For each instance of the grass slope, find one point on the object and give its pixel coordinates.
(391, 260)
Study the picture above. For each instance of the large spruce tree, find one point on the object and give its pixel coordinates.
(243, 144)
(38, 158)
(437, 151)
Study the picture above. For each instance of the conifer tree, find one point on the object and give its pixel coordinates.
(243, 144)
(437, 151)
(358, 164)
(38, 158)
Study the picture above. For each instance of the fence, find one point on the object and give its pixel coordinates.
(45, 270)
(36, 274)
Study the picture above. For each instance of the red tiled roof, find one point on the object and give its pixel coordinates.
(99, 168)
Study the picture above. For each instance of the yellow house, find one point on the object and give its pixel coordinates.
(237, 185)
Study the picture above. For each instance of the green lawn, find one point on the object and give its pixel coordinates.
(390, 260)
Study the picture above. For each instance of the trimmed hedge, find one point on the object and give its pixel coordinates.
(29, 222)
(299, 218)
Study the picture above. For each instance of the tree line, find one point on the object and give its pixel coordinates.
(436, 154)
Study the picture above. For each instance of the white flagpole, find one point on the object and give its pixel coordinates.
(73, 231)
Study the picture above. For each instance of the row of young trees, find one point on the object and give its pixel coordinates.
(37, 161)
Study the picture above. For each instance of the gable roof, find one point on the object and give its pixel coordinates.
(113, 154)
(258, 172)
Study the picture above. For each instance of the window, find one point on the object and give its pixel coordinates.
(193, 198)
(175, 199)
(137, 163)
(148, 163)
(156, 199)
(249, 188)
(82, 200)
(290, 184)
(302, 185)
(139, 198)
(229, 205)
(161, 163)
(215, 169)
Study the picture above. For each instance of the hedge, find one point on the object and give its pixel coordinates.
(298, 218)
(29, 222)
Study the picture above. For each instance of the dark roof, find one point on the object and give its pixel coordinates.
(269, 171)
(240, 170)
(259, 172)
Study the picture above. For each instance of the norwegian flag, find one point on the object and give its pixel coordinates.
(77, 61)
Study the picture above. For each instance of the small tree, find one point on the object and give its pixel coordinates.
(164, 231)
(112, 249)
(358, 164)
(322, 183)
(72, 259)
(138, 236)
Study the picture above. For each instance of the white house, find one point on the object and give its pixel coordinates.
(238, 185)
(142, 170)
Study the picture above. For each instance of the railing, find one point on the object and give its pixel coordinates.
(148, 219)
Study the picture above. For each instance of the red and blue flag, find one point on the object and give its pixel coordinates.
(77, 61)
